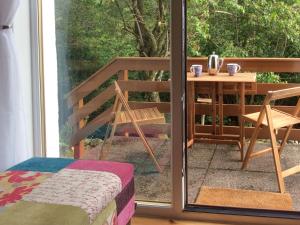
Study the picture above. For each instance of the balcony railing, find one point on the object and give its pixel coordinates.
(84, 104)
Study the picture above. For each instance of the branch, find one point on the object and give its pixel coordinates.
(125, 26)
(224, 12)
(142, 29)
(284, 46)
(160, 10)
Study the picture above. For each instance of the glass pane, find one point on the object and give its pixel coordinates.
(219, 174)
(92, 39)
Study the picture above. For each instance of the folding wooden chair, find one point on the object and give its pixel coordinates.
(274, 119)
(137, 117)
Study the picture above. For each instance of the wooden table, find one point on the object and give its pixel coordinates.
(216, 83)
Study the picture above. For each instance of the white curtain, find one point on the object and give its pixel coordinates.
(13, 136)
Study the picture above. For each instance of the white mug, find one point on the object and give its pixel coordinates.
(196, 70)
(233, 68)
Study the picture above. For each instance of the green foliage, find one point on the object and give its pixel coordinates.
(268, 78)
(88, 36)
(64, 139)
(245, 28)
(92, 32)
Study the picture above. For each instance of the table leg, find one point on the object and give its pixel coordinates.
(242, 112)
(220, 94)
(214, 108)
(191, 111)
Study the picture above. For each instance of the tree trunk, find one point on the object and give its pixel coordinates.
(152, 39)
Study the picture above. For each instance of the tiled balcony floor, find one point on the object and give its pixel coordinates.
(208, 164)
(221, 167)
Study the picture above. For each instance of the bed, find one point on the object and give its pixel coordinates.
(57, 191)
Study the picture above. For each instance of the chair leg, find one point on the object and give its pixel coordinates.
(113, 130)
(147, 146)
(277, 163)
(251, 146)
(275, 151)
(101, 153)
(284, 140)
(108, 138)
(109, 142)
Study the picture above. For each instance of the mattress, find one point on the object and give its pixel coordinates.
(50, 191)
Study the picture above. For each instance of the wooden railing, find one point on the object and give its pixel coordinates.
(121, 66)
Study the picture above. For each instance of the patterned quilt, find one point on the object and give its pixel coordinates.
(44, 191)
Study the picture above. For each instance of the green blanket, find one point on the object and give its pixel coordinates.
(29, 213)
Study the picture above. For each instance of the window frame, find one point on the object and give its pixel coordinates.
(37, 79)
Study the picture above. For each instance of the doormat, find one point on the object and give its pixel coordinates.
(243, 198)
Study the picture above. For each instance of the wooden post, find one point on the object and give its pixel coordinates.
(123, 75)
(241, 121)
(220, 98)
(79, 148)
(214, 107)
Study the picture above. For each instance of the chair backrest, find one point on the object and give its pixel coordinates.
(281, 94)
(284, 93)
(121, 96)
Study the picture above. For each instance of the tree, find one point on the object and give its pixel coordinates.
(148, 23)
(244, 28)
(91, 32)
(86, 39)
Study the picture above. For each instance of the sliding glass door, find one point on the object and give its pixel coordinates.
(226, 35)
